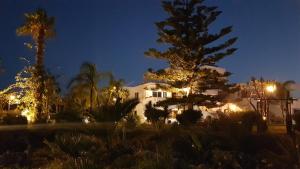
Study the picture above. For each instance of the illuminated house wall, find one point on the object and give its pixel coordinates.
(147, 92)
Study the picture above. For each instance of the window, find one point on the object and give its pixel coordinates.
(159, 94)
(136, 95)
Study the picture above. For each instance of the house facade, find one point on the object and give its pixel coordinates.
(155, 92)
(238, 102)
(147, 92)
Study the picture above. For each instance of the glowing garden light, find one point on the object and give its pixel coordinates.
(271, 88)
(264, 118)
(234, 108)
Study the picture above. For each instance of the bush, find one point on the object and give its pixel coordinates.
(249, 119)
(116, 112)
(297, 120)
(68, 116)
(13, 119)
(189, 117)
(132, 120)
(236, 124)
(154, 115)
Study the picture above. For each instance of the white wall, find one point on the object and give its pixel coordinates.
(145, 96)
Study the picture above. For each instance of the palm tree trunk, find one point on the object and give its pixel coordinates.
(39, 72)
(91, 100)
(98, 101)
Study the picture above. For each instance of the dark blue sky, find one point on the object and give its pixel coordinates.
(115, 33)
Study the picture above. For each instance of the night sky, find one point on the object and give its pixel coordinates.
(114, 34)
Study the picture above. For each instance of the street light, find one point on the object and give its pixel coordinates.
(271, 88)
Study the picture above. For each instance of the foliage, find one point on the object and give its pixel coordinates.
(114, 91)
(192, 52)
(68, 116)
(297, 120)
(3, 101)
(168, 148)
(25, 88)
(11, 119)
(236, 124)
(85, 85)
(114, 113)
(189, 117)
(77, 150)
(132, 120)
(154, 115)
(40, 27)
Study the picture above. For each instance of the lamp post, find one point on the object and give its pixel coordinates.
(263, 105)
(269, 88)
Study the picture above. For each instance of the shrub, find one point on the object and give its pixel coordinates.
(154, 115)
(297, 120)
(116, 112)
(132, 120)
(242, 122)
(13, 119)
(68, 116)
(189, 117)
(249, 119)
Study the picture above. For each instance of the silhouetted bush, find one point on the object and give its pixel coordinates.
(242, 122)
(68, 116)
(249, 120)
(13, 119)
(131, 121)
(297, 120)
(189, 117)
(114, 113)
(154, 115)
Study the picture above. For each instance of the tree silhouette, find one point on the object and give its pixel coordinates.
(87, 79)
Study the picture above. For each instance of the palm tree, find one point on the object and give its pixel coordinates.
(40, 27)
(88, 78)
(116, 89)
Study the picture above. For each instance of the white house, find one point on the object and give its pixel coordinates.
(147, 92)
(154, 92)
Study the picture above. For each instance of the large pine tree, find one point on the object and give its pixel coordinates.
(192, 52)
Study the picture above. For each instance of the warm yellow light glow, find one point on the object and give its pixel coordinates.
(12, 97)
(26, 113)
(86, 120)
(271, 88)
(234, 108)
(264, 118)
(186, 90)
